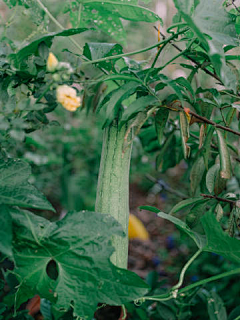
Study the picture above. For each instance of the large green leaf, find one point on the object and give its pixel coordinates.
(219, 241)
(106, 15)
(32, 47)
(96, 50)
(70, 260)
(16, 190)
(5, 231)
(214, 27)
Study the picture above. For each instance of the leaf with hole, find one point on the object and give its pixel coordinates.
(69, 261)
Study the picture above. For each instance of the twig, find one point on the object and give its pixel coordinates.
(164, 186)
(216, 125)
(233, 203)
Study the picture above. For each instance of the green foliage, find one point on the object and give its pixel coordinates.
(178, 119)
(71, 262)
(106, 15)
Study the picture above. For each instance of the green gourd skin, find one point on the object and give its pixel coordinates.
(113, 187)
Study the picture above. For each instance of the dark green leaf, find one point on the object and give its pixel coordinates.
(219, 241)
(15, 189)
(137, 106)
(195, 214)
(207, 145)
(70, 260)
(5, 231)
(114, 104)
(216, 309)
(160, 122)
(196, 174)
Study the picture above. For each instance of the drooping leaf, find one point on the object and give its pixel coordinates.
(166, 158)
(69, 261)
(196, 174)
(197, 238)
(160, 122)
(32, 47)
(106, 15)
(207, 145)
(211, 177)
(184, 128)
(15, 189)
(137, 106)
(5, 231)
(114, 104)
(195, 214)
(186, 203)
(225, 162)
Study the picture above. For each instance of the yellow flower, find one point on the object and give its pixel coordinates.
(68, 98)
(52, 62)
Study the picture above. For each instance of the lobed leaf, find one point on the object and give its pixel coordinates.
(69, 261)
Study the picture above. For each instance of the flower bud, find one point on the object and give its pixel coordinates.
(52, 62)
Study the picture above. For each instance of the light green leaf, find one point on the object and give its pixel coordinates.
(186, 203)
(160, 122)
(184, 129)
(15, 189)
(219, 241)
(32, 47)
(225, 162)
(69, 261)
(211, 177)
(197, 238)
(106, 15)
(5, 231)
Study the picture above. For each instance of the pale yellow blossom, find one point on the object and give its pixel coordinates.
(68, 98)
(52, 62)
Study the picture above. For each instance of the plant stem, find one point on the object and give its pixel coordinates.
(113, 187)
(184, 269)
(117, 56)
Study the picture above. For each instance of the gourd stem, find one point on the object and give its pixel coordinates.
(113, 187)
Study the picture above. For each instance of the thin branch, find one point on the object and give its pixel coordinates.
(216, 125)
(233, 203)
